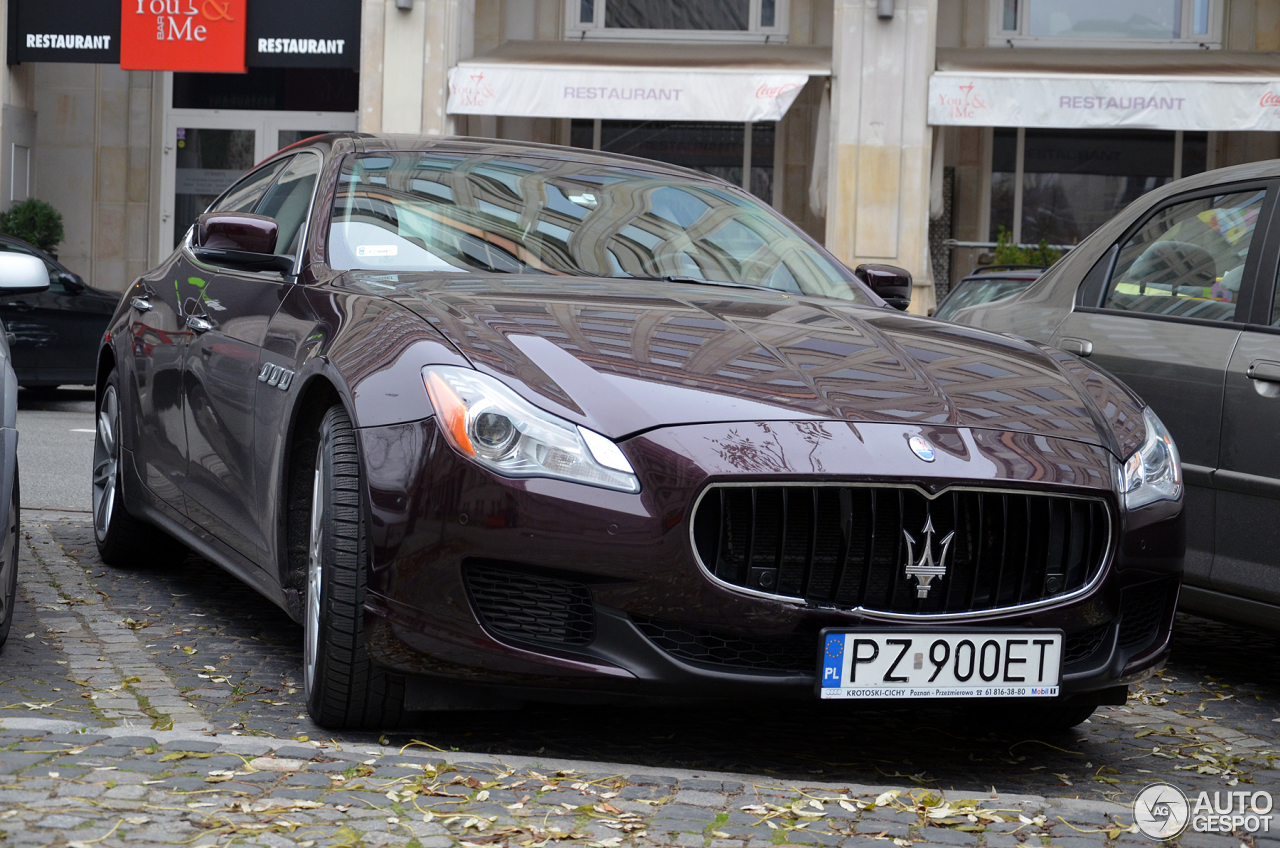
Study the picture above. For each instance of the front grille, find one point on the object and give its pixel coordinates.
(1141, 612)
(1082, 645)
(847, 546)
(782, 653)
(531, 608)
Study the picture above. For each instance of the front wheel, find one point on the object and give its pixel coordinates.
(344, 689)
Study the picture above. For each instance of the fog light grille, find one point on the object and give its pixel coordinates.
(531, 607)
(795, 654)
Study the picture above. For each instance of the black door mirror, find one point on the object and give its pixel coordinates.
(71, 282)
(891, 283)
(240, 240)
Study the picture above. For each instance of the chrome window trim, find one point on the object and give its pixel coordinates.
(897, 616)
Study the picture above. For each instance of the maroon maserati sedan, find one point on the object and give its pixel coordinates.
(504, 422)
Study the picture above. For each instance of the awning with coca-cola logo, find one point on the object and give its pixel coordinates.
(646, 82)
(1087, 89)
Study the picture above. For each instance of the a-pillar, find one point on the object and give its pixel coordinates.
(878, 177)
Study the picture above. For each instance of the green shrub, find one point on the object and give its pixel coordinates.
(36, 222)
(1008, 253)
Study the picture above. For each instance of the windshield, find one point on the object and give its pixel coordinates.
(448, 212)
(973, 292)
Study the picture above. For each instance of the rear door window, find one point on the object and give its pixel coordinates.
(1188, 260)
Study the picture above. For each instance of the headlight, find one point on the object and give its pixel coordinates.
(493, 425)
(1153, 473)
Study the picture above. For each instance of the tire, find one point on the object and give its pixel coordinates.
(122, 539)
(343, 687)
(9, 560)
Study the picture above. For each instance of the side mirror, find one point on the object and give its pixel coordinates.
(21, 273)
(891, 283)
(240, 240)
(71, 282)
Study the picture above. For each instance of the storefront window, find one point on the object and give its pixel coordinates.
(664, 14)
(1137, 21)
(282, 89)
(714, 148)
(1075, 181)
(714, 19)
(207, 162)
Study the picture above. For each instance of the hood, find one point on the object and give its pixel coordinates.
(625, 356)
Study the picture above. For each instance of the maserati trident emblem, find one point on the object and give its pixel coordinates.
(927, 569)
(921, 448)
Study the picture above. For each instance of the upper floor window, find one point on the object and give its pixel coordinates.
(1107, 23)
(705, 20)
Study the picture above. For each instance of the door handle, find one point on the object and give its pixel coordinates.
(18, 306)
(200, 325)
(1261, 369)
(140, 303)
(1080, 347)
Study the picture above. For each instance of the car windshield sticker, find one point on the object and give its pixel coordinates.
(366, 250)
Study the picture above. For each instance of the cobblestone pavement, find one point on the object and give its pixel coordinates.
(164, 706)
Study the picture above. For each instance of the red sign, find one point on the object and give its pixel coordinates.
(182, 35)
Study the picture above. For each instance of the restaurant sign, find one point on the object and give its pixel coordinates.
(1102, 102)
(677, 94)
(64, 31)
(183, 35)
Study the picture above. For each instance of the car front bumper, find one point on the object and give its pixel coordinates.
(661, 626)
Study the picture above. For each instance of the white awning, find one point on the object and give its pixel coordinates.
(626, 81)
(1162, 90)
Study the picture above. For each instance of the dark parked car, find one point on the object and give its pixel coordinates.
(18, 275)
(55, 334)
(1177, 297)
(987, 284)
(500, 422)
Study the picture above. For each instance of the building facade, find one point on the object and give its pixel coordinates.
(889, 130)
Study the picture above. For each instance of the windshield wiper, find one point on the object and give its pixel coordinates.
(671, 278)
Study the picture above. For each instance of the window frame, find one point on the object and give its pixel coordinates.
(1260, 247)
(998, 36)
(575, 30)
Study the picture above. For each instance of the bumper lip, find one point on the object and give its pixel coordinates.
(1108, 557)
(650, 673)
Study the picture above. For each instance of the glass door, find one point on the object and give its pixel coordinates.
(206, 150)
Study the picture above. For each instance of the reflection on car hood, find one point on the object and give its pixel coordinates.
(625, 356)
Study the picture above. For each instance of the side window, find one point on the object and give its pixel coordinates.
(289, 200)
(1189, 259)
(244, 195)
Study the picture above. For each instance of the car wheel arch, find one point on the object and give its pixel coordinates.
(317, 393)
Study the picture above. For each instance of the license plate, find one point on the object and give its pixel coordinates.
(940, 664)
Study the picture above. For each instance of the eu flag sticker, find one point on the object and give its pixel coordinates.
(833, 661)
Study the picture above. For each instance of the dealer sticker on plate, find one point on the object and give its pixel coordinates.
(940, 664)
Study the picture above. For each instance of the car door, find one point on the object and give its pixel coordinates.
(1247, 558)
(1166, 319)
(78, 316)
(158, 343)
(220, 379)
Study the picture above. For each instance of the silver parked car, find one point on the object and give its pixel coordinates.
(1177, 297)
(19, 274)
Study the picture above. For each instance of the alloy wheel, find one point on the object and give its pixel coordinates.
(311, 648)
(106, 461)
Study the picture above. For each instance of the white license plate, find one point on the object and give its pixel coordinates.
(940, 664)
